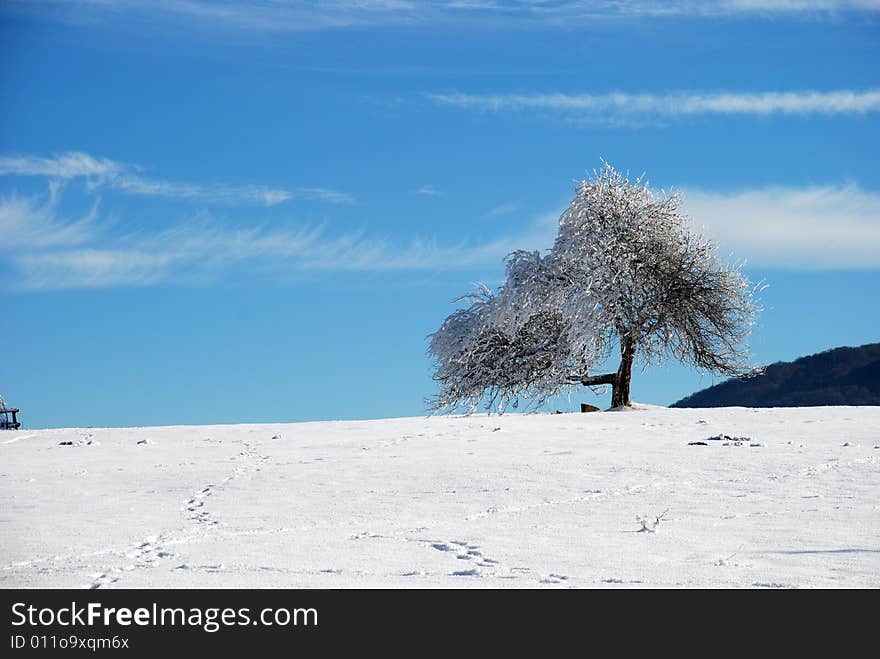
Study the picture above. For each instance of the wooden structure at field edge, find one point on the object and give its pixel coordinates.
(5, 423)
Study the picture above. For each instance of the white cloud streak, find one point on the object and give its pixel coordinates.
(217, 194)
(616, 105)
(503, 209)
(53, 251)
(299, 15)
(202, 252)
(812, 228)
(110, 174)
(33, 222)
(72, 164)
(327, 195)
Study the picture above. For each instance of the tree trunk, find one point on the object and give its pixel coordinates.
(620, 387)
(619, 381)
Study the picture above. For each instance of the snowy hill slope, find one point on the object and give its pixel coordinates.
(512, 501)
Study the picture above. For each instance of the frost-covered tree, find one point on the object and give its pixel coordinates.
(626, 274)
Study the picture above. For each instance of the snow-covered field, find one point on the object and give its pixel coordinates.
(513, 501)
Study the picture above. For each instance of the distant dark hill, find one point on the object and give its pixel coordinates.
(843, 376)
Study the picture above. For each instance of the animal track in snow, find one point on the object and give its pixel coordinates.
(102, 580)
(589, 495)
(464, 552)
(621, 581)
(151, 550)
(389, 443)
(476, 564)
(195, 506)
(144, 554)
(481, 565)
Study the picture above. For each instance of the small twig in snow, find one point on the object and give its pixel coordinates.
(648, 526)
(723, 561)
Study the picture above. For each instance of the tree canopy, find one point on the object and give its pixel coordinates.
(626, 273)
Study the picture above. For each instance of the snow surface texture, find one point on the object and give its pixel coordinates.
(573, 500)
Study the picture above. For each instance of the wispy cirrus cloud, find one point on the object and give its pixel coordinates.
(813, 228)
(428, 191)
(68, 165)
(35, 222)
(327, 195)
(215, 193)
(204, 251)
(622, 105)
(503, 209)
(57, 251)
(126, 178)
(300, 15)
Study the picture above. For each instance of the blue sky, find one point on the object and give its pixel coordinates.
(235, 212)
